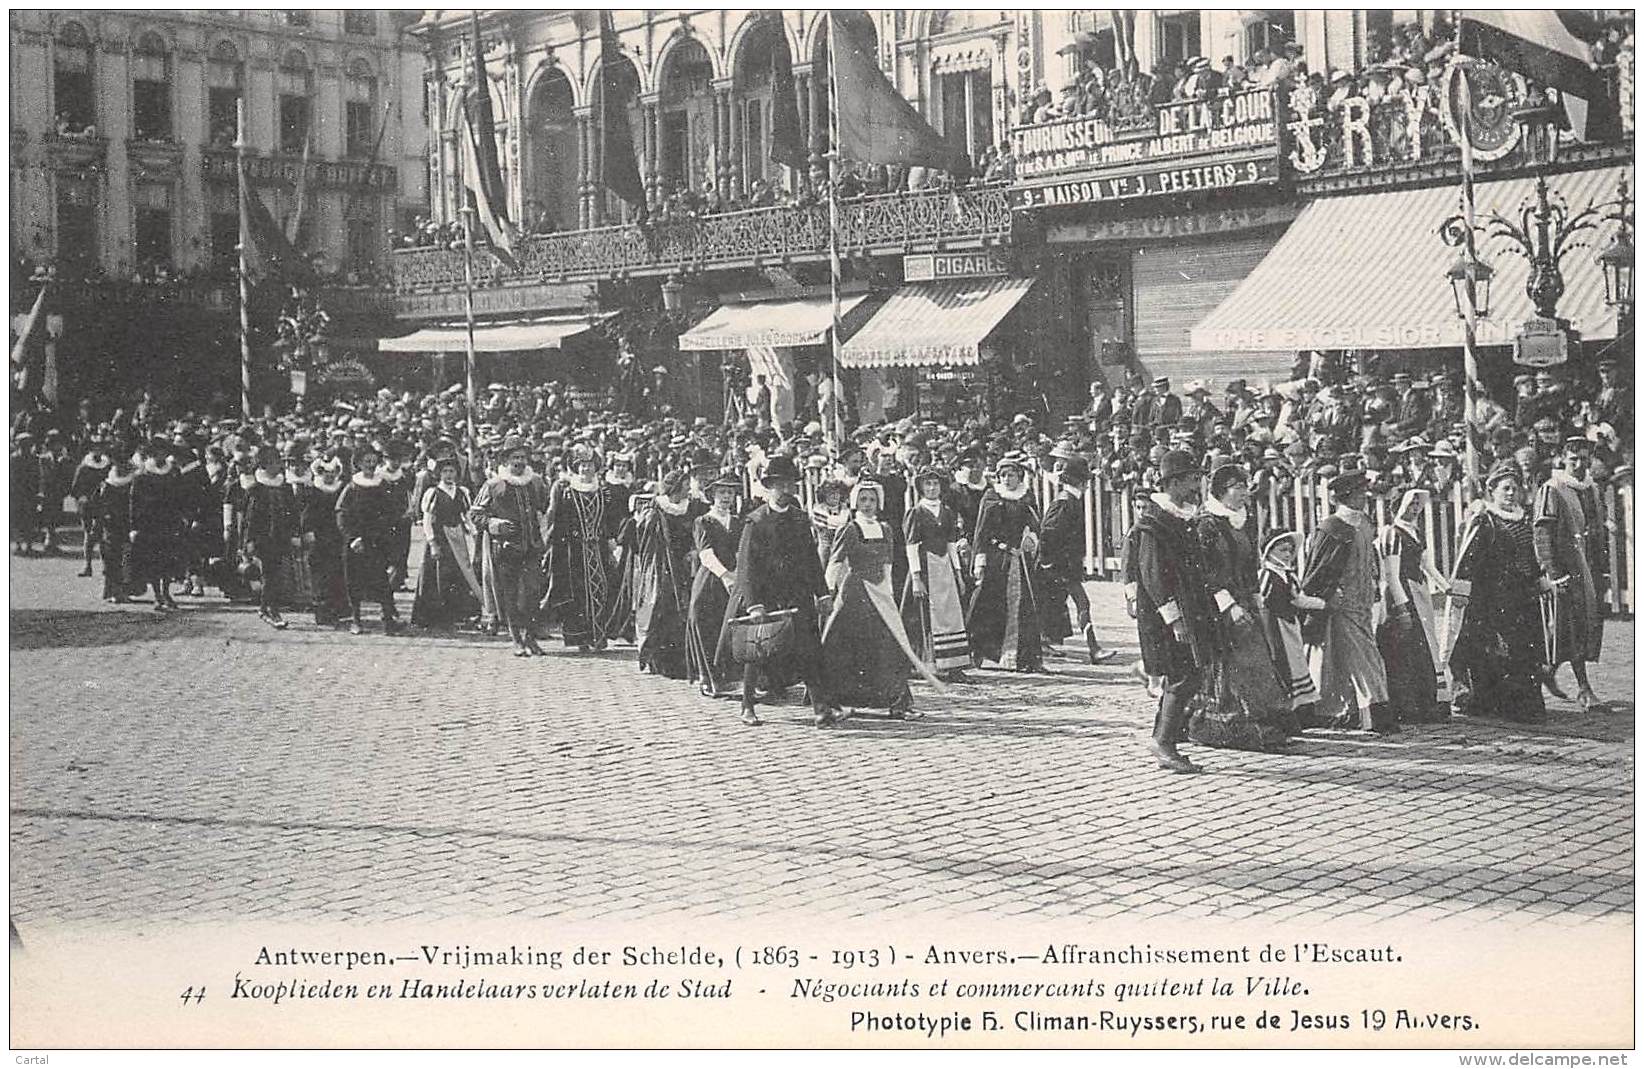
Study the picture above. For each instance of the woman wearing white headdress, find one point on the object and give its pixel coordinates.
(1418, 683)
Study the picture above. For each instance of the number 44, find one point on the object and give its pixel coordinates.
(193, 996)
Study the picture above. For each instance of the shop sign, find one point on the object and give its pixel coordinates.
(323, 174)
(1163, 181)
(934, 266)
(1161, 227)
(1237, 124)
(1542, 343)
(547, 297)
(346, 373)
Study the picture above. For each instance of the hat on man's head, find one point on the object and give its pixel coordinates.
(1162, 380)
(1176, 463)
(725, 480)
(1442, 449)
(781, 466)
(1349, 482)
(1075, 470)
(1012, 459)
(1503, 469)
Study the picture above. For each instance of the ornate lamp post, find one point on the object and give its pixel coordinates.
(1617, 262)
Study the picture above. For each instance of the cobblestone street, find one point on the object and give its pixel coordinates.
(203, 766)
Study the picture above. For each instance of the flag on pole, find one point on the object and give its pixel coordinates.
(481, 172)
(1550, 48)
(875, 123)
(268, 255)
(294, 225)
(33, 326)
(618, 165)
(787, 139)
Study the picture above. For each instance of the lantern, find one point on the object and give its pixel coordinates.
(1471, 273)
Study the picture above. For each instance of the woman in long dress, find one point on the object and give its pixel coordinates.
(662, 576)
(1241, 704)
(933, 606)
(1417, 683)
(716, 535)
(448, 591)
(1500, 656)
(582, 571)
(112, 505)
(1002, 618)
(1278, 589)
(866, 655)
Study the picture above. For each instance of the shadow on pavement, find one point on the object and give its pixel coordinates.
(38, 629)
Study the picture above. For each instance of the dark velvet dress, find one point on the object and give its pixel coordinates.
(446, 582)
(663, 552)
(1003, 617)
(1499, 652)
(865, 651)
(582, 576)
(710, 664)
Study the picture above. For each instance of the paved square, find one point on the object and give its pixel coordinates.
(204, 767)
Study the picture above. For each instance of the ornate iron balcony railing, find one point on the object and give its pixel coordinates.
(916, 221)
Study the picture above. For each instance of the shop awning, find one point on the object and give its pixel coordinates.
(489, 337)
(1368, 272)
(927, 323)
(800, 321)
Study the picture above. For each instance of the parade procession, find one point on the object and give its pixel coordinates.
(1254, 388)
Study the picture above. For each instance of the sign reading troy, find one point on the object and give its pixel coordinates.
(1240, 121)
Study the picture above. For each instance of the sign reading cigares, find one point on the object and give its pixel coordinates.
(1195, 144)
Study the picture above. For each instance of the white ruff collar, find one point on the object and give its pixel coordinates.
(361, 479)
(519, 480)
(152, 468)
(299, 479)
(265, 479)
(119, 480)
(583, 484)
(247, 481)
(619, 480)
(1011, 495)
(328, 481)
(93, 462)
(673, 508)
(932, 506)
(1162, 500)
(1513, 514)
(1350, 514)
(1236, 517)
(1564, 478)
(392, 475)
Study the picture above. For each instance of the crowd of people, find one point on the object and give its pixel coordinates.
(747, 556)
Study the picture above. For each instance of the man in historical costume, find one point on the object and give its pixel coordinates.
(1499, 655)
(368, 517)
(933, 607)
(623, 517)
(1418, 684)
(88, 476)
(1569, 528)
(156, 521)
(270, 531)
(401, 485)
(582, 530)
(663, 551)
(509, 512)
(112, 506)
(1002, 617)
(322, 541)
(716, 535)
(777, 569)
(1061, 572)
(1173, 610)
(1343, 568)
(198, 498)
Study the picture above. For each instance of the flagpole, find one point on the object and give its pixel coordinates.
(1469, 335)
(467, 213)
(836, 414)
(245, 264)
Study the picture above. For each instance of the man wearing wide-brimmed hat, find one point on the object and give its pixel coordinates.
(368, 515)
(508, 511)
(1344, 568)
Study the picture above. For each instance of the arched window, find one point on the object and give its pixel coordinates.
(71, 82)
(360, 108)
(962, 77)
(223, 78)
(686, 117)
(151, 89)
(295, 84)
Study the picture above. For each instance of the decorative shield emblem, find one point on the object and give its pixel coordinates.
(1490, 95)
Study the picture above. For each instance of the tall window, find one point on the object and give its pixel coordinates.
(76, 221)
(71, 81)
(224, 202)
(1178, 36)
(223, 73)
(294, 86)
(151, 89)
(1270, 30)
(361, 23)
(153, 225)
(359, 109)
(967, 110)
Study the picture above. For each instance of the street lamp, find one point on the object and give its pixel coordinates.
(1471, 273)
(673, 295)
(1617, 260)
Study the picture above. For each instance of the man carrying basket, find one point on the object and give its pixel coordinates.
(771, 620)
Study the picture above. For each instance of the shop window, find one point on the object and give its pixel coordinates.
(360, 23)
(967, 111)
(1178, 36)
(76, 222)
(71, 82)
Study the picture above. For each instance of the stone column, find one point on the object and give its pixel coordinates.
(819, 123)
(585, 167)
(802, 89)
(733, 136)
(650, 142)
(722, 142)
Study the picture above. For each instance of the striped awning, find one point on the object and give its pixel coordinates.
(489, 337)
(767, 324)
(926, 323)
(1369, 272)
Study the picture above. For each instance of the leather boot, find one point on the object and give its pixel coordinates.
(1097, 654)
(1171, 720)
(1383, 719)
